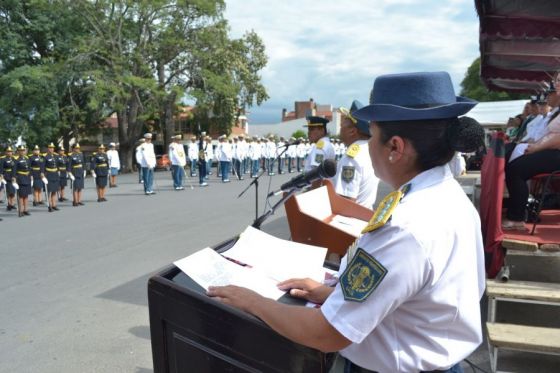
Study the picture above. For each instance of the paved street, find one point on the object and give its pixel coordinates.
(73, 282)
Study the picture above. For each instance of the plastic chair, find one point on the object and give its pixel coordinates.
(541, 182)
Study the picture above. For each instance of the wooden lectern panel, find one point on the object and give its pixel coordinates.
(313, 231)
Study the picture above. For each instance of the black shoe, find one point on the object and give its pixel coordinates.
(99, 200)
(74, 204)
(55, 208)
(35, 203)
(80, 203)
(40, 203)
(26, 213)
(50, 209)
(104, 199)
(61, 200)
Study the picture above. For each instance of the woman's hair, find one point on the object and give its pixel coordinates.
(436, 140)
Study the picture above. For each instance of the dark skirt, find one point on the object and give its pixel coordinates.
(10, 189)
(101, 181)
(78, 184)
(62, 180)
(53, 186)
(24, 190)
(38, 183)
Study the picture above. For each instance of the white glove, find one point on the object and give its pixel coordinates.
(2, 181)
(16, 186)
(72, 177)
(45, 181)
(84, 174)
(93, 174)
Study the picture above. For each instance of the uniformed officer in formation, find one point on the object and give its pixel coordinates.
(193, 155)
(99, 166)
(37, 173)
(62, 163)
(52, 175)
(202, 159)
(22, 180)
(7, 164)
(76, 172)
(408, 291)
(147, 158)
(355, 178)
(114, 164)
(291, 155)
(178, 160)
(322, 149)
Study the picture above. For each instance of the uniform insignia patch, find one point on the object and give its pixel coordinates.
(319, 158)
(348, 173)
(320, 144)
(361, 277)
(353, 150)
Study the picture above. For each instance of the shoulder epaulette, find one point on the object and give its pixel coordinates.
(353, 150)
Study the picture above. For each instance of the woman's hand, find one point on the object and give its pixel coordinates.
(235, 296)
(306, 288)
(531, 148)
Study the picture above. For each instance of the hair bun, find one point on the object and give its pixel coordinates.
(466, 135)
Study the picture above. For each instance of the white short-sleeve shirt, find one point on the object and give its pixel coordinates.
(355, 177)
(320, 151)
(424, 314)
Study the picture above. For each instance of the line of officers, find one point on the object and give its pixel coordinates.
(246, 156)
(48, 174)
(355, 178)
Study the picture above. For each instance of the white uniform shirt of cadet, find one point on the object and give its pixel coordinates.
(113, 158)
(242, 148)
(280, 147)
(254, 151)
(209, 152)
(424, 314)
(147, 155)
(355, 177)
(292, 151)
(270, 149)
(177, 154)
(193, 150)
(225, 152)
(301, 150)
(320, 151)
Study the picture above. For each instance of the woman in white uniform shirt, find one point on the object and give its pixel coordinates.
(408, 294)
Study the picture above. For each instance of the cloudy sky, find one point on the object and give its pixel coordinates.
(332, 50)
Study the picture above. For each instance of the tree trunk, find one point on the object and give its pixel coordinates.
(168, 119)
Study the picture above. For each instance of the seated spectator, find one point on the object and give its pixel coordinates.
(541, 156)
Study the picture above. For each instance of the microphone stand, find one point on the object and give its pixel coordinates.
(258, 221)
(256, 183)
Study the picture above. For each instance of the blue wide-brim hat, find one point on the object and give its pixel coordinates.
(414, 96)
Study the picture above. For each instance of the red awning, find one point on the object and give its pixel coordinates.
(519, 43)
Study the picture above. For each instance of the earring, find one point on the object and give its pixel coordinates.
(390, 158)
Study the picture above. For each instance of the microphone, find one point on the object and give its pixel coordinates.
(295, 142)
(326, 169)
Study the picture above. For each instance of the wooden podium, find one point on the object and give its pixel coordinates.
(310, 220)
(191, 332)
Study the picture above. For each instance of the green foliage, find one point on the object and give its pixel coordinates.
(473, 87)
(299, 134)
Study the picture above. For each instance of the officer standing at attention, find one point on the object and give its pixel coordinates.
(355, 178)
(22, 180)
(193, 155)
(7, 164)
(53, 176)
(62, 162)
(202, 154)
(37, 172)
(178, 161)
(322, 148)
(408, 291)
(76, 172)
(99, 166)
(148, 163)
(114, 164)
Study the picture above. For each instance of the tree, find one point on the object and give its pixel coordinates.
(299, 134)
(473, 87)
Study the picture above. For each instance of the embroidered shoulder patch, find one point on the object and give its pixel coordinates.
(348, 173)
(384, 211)
(361, 277)
(353, 150)
(320, 144)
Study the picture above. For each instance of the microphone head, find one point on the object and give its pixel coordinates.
(327, 168)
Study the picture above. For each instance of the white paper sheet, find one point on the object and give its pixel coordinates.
(315, 203)
(349, 225)
(278, 258)
(208, 268)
